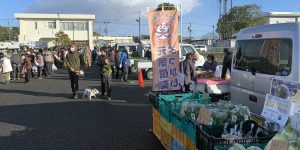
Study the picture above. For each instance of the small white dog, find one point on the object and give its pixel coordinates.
(90, 93)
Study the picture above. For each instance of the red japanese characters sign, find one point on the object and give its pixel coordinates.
(163, 29)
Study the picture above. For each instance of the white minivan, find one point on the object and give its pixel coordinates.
(263, 53)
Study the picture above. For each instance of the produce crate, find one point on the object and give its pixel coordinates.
(190, 130)
(208, 137)
(154, 96)
(165, 125)
(176, 145)
(166, 139)
(262, 146)
(178, 121)
(177, 135)
(165, 103)
(156, 123)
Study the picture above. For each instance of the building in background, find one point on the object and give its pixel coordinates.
(43, 27)
(282, 17)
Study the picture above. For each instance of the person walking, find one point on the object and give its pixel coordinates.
(39, 61)
(16, 63)
(94, 54)
(74, 65)
(117, 63)
(112, 59)
(49, 60)
(32, 57)
(189, 71)
(28, 67)
(124, 64)
(6, 68)
(88, 56)
(226, 62)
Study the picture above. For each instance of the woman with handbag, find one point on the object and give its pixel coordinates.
(75, 65)
(39, 61)
(28, 67)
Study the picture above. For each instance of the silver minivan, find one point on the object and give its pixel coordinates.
(263, 53)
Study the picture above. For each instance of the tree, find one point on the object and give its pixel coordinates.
(4, 33)
(96, 34)
(166, 6)
(239, 18)
(62, 39)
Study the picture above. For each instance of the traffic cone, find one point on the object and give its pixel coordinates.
(141, 80)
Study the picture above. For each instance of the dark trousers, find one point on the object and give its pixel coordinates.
(27, 75)
(124, 73)
(187, 87)
(117, 72)
(32, 73)
(16, 71)
(224, 69)
(74, 81)
(39, 69)
(49, 68)
(106, 85)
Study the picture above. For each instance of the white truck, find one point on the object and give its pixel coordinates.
(263, 53)
(146, 65)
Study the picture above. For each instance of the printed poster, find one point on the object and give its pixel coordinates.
(163, 31)
(276, 109)
(289, 90)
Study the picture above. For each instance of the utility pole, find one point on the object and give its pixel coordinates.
(230, 4)
(73, 30)
(220, 9)
(225, 7)
(190, 30)
(8, 26)
(106, 30)
(139, 21)
(213, 36)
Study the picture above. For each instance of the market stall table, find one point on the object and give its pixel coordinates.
(214, 87)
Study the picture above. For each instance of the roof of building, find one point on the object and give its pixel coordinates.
(281, 14)
(54, 16)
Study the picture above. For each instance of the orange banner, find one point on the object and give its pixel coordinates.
(163, 31)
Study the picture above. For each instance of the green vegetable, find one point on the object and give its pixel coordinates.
(106, 70)
(253, 148)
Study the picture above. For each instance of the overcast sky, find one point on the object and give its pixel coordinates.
(121, 14)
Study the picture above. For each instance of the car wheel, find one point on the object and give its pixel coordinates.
(133, 69)
(149, 74)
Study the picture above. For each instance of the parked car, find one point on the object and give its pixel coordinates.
(146, 65)
(201, 48)
(263, 53)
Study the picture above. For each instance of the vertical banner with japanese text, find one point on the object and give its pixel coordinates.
(163, 31)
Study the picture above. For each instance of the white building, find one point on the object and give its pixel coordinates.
(43, 27)
(282, 17)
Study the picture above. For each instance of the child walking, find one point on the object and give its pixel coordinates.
(106, 75)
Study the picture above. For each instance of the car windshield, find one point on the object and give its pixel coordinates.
(132, 48)
(266, 56)
(186, 49)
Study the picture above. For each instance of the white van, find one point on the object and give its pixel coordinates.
(263, 53)
(201, 48)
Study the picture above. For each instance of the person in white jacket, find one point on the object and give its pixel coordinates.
(6, 69)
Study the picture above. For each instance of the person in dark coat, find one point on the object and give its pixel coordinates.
(210, 64)
(106, 77)
(74, 64)
(226, 62)
(189, 71)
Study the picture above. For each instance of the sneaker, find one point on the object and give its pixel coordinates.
(109, 98)
(75, 96)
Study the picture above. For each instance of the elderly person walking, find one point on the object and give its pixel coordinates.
(6, 68)
(39, 61)
(74, 64)
(16, 63)
(88, 56)
(49, 60)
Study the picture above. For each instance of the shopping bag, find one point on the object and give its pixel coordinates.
(54, 68)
